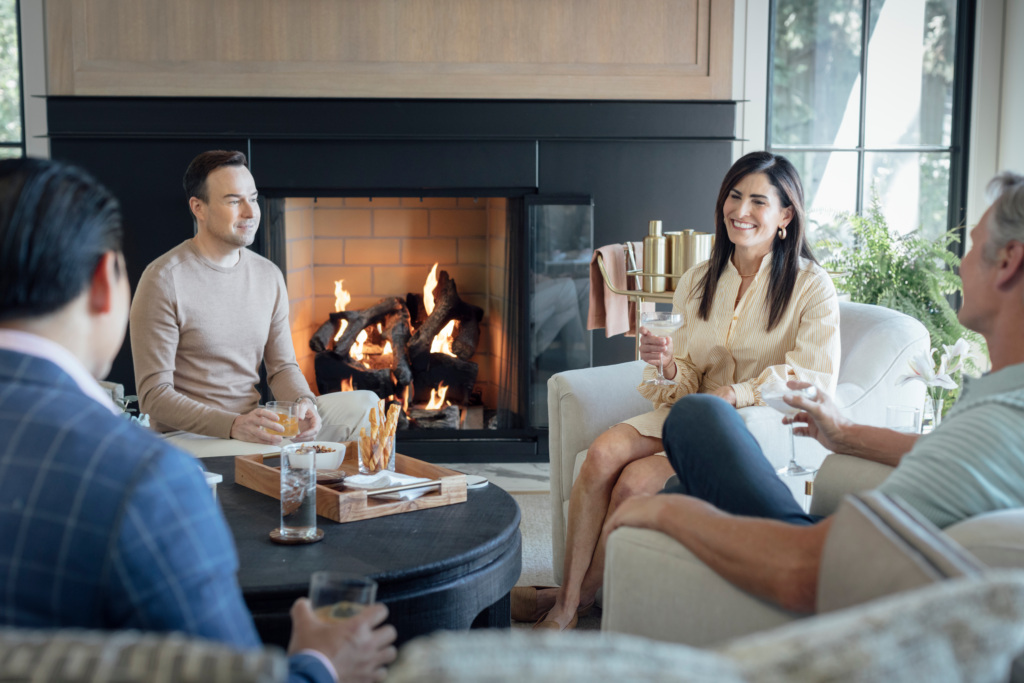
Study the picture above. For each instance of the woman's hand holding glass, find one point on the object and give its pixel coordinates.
(656, 343)
(657, 351)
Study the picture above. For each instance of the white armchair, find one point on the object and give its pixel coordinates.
(876, 345)
(656, 588)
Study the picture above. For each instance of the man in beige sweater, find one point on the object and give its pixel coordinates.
(207, 313)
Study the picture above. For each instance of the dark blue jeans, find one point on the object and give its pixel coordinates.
(718, 460)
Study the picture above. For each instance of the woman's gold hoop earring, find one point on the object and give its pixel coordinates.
(782, 232)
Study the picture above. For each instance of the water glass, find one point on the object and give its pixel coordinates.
(288, 414)
(336, 595)
(298, 492)
(903, 419)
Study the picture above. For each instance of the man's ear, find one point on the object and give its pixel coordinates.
(1010, 263)
(102, 287)
(198, 208)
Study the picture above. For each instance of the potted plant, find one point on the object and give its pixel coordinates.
(907, 273)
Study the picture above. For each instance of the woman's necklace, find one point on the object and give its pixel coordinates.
(742, 275)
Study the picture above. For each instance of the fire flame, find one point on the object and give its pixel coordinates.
(428, 290)
(405, 398)
(437, 397)
(357, 349)
(346, 384)
(387, 348)
(442, 342)
(341, 300)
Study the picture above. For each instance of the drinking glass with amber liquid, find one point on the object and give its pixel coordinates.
(337, 596)
(287, 414)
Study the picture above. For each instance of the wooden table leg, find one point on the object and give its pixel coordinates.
(498, 615)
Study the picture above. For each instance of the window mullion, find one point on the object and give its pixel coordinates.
(861, 133)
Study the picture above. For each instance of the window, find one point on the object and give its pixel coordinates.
(866, 96)
(12, 142)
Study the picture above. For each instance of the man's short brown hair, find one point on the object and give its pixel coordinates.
(205, 164)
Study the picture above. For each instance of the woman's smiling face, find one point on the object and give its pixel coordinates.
(753, 213)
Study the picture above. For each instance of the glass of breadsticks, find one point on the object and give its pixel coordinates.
(377, 448)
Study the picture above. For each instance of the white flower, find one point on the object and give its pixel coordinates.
(961, 351)
(922, 369)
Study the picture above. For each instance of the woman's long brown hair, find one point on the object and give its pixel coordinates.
(786, 253)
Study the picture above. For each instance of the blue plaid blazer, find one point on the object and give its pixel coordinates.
(105, 526)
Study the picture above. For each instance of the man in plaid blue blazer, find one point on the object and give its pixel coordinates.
(102, 524)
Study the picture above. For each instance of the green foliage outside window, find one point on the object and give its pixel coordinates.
(907, 273)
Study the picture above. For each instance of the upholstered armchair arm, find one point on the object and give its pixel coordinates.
(656, 588)
(581, 405)
(841, 475)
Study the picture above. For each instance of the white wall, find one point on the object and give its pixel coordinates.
(33, 62)
(750, 74)
(1011, 125)
(997, 112)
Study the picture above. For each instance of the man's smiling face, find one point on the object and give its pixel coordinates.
(231, 213)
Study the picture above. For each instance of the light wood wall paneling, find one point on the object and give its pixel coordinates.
(557, 49)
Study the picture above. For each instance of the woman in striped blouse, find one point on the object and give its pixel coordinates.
(760, 312)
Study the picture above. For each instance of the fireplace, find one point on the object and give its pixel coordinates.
(457, 308)
(557, 165)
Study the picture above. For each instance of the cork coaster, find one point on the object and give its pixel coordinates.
(276, 537)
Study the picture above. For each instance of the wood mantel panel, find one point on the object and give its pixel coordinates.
(558, 49)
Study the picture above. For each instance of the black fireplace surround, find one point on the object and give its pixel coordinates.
(637, 160)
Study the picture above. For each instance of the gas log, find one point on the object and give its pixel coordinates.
(410, 361)
(447, 307)
(459, 375)
(384, 375)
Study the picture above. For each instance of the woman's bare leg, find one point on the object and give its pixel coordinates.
(588, 506)
(643, 477)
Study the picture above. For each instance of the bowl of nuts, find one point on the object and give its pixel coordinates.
(329, 454)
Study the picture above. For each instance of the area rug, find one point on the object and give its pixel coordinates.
(535, 528)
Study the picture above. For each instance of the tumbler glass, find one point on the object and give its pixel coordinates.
(337, 595)
(298, 492)
(288, 414)
(903, 419)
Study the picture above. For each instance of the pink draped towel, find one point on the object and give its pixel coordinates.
(614, 312)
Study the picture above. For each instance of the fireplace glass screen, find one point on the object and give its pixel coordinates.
(561, 242)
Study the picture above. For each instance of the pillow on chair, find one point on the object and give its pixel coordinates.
(130, 657)
(878, 545)
(958, 631)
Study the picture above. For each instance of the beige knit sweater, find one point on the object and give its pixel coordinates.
(199, 332)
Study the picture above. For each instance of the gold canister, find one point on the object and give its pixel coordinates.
(699, 250)
(678, 248)
(655, 258)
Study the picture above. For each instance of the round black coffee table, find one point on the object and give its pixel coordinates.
(444, 568)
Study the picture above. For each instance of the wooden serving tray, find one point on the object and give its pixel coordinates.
(352, 505)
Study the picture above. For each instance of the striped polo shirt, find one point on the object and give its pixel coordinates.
(974, 461)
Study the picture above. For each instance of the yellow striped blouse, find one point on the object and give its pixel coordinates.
(733, 347)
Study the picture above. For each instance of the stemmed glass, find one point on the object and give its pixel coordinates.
(661, 325)
(775, 400)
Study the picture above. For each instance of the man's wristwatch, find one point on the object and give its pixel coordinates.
(311, 402)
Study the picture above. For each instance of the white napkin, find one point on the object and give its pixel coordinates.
(386, 479)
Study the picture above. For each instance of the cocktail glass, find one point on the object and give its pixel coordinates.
(661, 325)
(775, 400)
